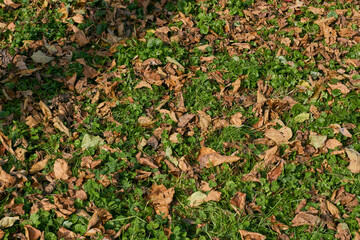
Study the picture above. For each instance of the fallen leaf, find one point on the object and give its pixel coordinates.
(160, 197)
(37, 167)
(60, 125)
(185, 119)
(239, 200)
(99, 216)
(6, 142)
(237, 119)
(204, 186)
(91, 141)
(197, 198)
(343, 232)
(204, 120)
(343, 88)
(61, 169)
(80, 36)
(143, 84)
(146, 122)
(332, 144)
(210, 158)
(317, 141)
(280, 136)
(354, 158)
(246, 235)
(302, 117)
(303, 218)
(32, 233)
(66, 234)
(6, 180)
(40, 57)
(334, 211)
(275, 172)
(11, 4)
(7, 222)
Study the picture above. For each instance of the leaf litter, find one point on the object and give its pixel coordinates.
(162, 108)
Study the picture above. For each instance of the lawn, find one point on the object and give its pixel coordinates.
(179, 119)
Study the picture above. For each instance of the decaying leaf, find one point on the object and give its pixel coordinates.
(160, 197)
(246, 235)
(303, 218)
(61, 169)
(354, 158)
(6, 180)
(60, 125)
(210, 158)
(237, 119)
(280, 136)
(32, 233)
(318, 141)
(146, 122)
(7, 222)
(276, 171)
(238, 201)
(38, 166)
(333, 143)
(333, 210)
(91, 141)
(343, 232)
(197, 198)
(40, 57)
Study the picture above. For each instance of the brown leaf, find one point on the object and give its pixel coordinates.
(343, 232)
(204, 120)
(303, 218)
(343, 88)
(246, 235)
(32, 233)
(316, 10)
(37, 167)
(6, 180)
(61, 169)
(185, 119)
(210, 158)
(332, 144)
(78, 18)
(275, 172)
(333, 210)
(11, 4)
(354, 158)
(237, 119)
(239, 200)
(280, 136)
(80, 36)
(197, 198)
(100, 216)
(60, 125)
(146, 122)
(142, 84)
(66, 234)
(6, 143)
(20, 153)
(160, 197)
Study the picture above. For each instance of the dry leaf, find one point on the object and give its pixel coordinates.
(46, 111)
(185, 119)
(32, 233)
(37, 167)
(204, 186)
(6, 142)
(239, 200)
(303, 218)
(146, 122)
(236, 119)
(197, 198)
(142, 84)
(99, 216)
(61, 169)
(210, 158)
(354, 158)
(343, 88)
(343, 232)
(40, 57)
(80, 36)
(333, 210)
(60, 125)
(317, 141)
(66, 234)
(204, 120)
(280, 136)
(11, 4)
(6, 180)
(275, 172)
(332, 144)
(160, 197)
(246, 235)
(7, 222)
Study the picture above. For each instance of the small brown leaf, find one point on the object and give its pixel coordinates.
(60, 125)
(32, 233)
(204, 120)
(343, 232)
(61, 169)
(332, 144)
(143, 84)
(354, 158)
(37, 167)
(280, 136)
(275, 172)
(146, 122)
(6, 180)
(99, 216)
(238, 200)
(210, 158)
(197, 198)
(185, 119)
(333, 210)
(11, 4)
(246, 235)
(160, 197)
(303, 218)
(237, 119)
(343, 88)
(80, 36)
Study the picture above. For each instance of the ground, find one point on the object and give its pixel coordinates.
(179, 119)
